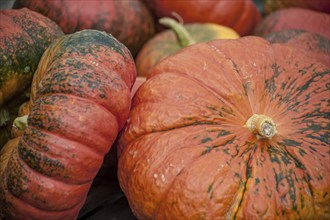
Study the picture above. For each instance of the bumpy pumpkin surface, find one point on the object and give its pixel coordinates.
(187, 151)
(83, 100)
(24, 36)
(129, 21)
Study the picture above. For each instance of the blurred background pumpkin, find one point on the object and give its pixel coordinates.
(240, 15)
(128, 21)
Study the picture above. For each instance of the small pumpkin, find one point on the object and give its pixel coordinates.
(128, 21)
(315, 45)
(24, 36)
(240, 15)
(317, 5)
(229, 129)
(175, 38)
(295, 18)
(82, 101)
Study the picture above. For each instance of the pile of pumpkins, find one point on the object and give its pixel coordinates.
(217, 109)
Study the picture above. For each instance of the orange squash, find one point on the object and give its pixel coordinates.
(229, 129)
(81, 103)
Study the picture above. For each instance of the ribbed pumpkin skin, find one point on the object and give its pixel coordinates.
(240, 15)
(315, 45)
(129, 21)
(295, 18)
(166, 43)
(24, 36)
(185, 153)
(82, 102)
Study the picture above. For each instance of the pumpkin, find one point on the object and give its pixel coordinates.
(295, 18)
(317, 5)
(129, 21)
(24, 36)
(240, 15)
(175, 38)
(315, 45)
(82, 102)
(229, 129)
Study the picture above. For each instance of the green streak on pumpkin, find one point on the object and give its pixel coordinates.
(230, 141)
(223, 133)
(312, 148)
(207, 139)
(289, 142)
(270, 84)
(208, 150)
(210, 190)
(302, 152)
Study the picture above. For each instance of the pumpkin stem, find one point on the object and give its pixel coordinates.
(262, 126)
(21, 122)
(183, 36)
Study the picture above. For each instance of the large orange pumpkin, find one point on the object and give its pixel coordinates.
(229, 129)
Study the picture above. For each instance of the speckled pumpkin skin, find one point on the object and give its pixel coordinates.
(295, 18)
(128, 21)
(166, 43)
(185, 153)
(82, 101)
(24, 36)
(315, 45)
(240, 15)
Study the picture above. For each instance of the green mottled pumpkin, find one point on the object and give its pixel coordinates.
(82, 101)
(229, 129)
(24, 36)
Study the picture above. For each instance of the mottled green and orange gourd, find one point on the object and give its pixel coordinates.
(229, 129)
(81, 103)
(24, 36)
